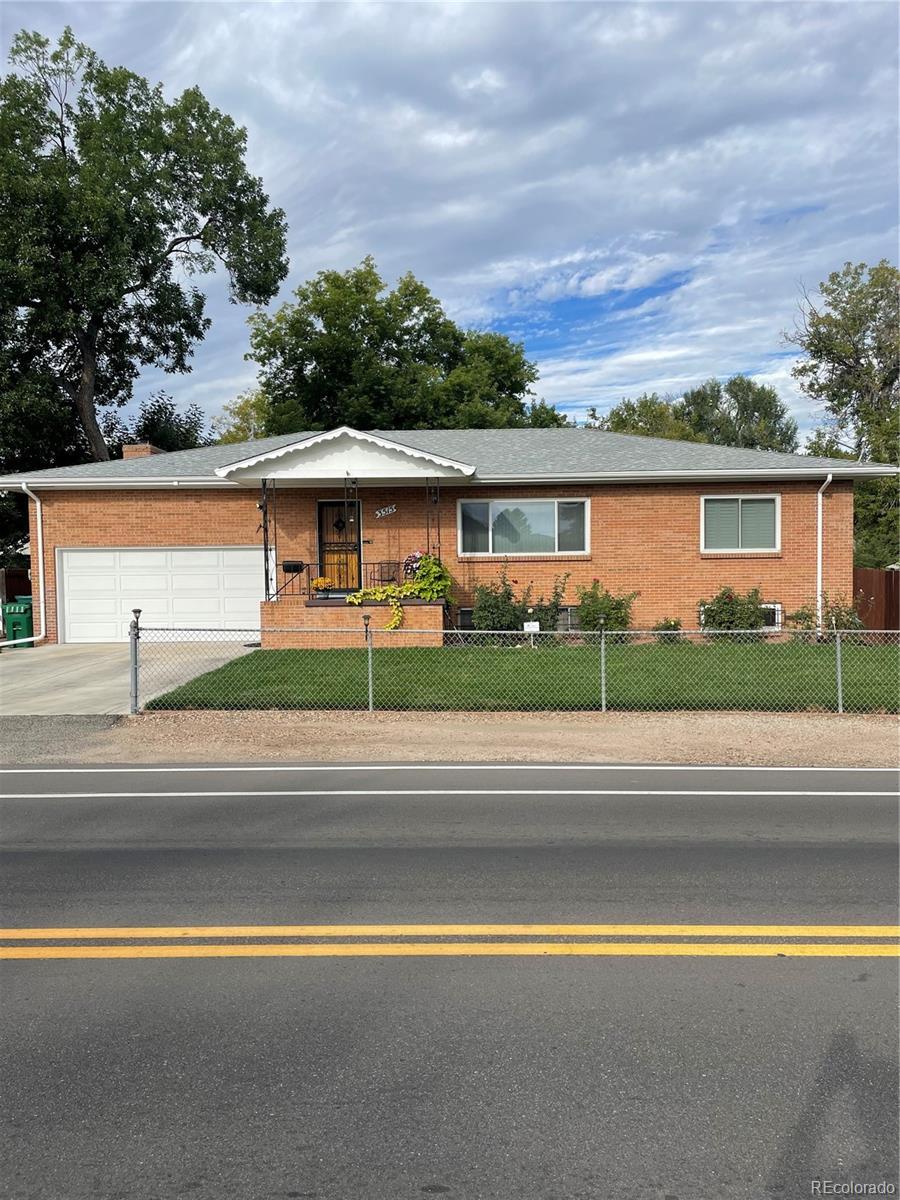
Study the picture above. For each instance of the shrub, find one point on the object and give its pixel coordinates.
(728, 609)
(596, 604)
(836, 614)
(668, 630)
(497, 608)
(546, 611)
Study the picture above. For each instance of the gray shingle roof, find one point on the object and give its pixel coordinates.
(496, 454)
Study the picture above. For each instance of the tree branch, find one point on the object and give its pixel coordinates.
(172, 248)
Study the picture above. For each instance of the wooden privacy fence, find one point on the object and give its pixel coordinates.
(14, 581)
(879, 603)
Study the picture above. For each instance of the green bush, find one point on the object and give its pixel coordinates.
(546, 611)
(597, 605)
(729, 609)
(497, 608)
(838, 613)
(668, 631)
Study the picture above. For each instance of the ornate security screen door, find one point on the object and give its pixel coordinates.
(339, 544)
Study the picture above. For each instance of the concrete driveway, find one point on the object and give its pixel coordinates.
(84, 680)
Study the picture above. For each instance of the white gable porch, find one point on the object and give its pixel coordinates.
(328, 459)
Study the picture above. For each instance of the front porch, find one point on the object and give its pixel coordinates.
(339, 513)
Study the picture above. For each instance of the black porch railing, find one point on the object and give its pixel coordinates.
(296, 578)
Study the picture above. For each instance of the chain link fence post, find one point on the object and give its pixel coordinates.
(134, 642)
(366, 619)
(838, 666)
(603, 664)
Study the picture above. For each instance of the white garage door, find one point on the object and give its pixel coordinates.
(216, 587)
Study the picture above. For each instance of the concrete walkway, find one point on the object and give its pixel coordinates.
(86, 680)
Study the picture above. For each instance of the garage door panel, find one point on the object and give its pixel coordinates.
(175, 588)
(239, 584)
(192, 559)
(242, 606)
(201, 584)
(97, 559)
(95, 631)
(154, 606)
(143, 585)
(245, 560)
(94, 584)
(130, 559)
(89, 606)
(196, 606)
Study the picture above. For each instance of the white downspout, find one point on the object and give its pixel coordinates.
(820, 599)
(42, 610)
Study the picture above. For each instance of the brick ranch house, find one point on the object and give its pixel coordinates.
(230, 536)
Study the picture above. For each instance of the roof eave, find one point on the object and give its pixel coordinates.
(851, 471)
(784, 473)
(193, 481)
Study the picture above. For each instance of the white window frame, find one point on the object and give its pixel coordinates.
(776, 496)
(779, 614)
(554, 500)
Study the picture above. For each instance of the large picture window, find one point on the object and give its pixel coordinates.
(510, 527)
(740, 523)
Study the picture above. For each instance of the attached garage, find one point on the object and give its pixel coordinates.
(215, 587)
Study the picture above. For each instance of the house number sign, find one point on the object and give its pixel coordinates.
(388, 511)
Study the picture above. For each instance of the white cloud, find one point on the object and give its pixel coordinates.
(537, 163)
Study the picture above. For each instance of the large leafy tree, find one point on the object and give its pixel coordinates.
(650, 415)
(348, 351)
(850, 368)
(851, 357)
(160, 422)
(242, 418)
(739, 412)
(112, 199)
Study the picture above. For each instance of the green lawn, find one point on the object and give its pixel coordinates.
(776, 677)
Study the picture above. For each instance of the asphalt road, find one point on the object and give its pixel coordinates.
(265, 1059)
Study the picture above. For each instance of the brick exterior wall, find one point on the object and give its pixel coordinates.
(340, 625)
(643, 537)
(140, 517)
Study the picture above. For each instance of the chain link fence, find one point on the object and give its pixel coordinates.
(638, 670)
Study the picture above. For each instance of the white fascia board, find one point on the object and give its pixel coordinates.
(805, 473)
(859, 471)
(343, 431)
(82, 484)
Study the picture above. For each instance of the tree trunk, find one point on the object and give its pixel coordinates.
(84, 395)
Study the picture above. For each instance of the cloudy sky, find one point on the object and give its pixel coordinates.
(635, 191)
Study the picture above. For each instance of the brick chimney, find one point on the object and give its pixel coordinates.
(140, 450)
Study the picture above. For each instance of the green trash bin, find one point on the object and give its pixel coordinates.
(18, 622)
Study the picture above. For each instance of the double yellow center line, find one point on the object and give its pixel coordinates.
(330, 941)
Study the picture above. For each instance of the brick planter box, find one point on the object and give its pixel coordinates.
(293, 622)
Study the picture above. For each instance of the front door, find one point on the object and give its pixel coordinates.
(339, 543)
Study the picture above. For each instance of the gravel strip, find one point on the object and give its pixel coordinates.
(740, 738)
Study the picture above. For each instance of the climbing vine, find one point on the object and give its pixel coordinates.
(426, 579)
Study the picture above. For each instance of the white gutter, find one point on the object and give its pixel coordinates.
(42, 609)
(820, 598)
(579, 477)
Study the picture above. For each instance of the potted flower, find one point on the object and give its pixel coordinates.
(322, 585)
